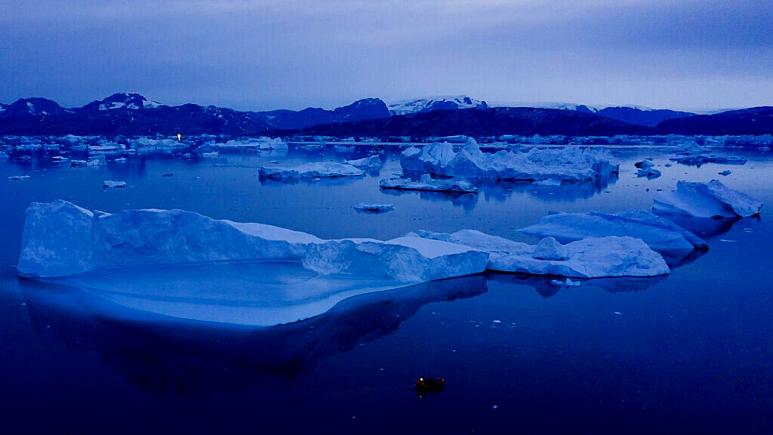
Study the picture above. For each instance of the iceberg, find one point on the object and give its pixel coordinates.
(706, 200)
(373, 207)
(429, 184)
(370, 162)
(309, 171)
(566, 164)
(660, 234)
(259, 143)
(592, 257)
(112, 184)
(61, 239)
(647, 169)
(698, 160)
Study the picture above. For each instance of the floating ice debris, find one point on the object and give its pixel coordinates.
(373, 207)
(78, 163)
(647, 169)
(59, 159)
(592, 257)
(698, 160)
(259, 143)
(547, 182)
(19, 177)
(706, 200)
(725, 173)
(428, 183)
(112, 184)
(62, 239)
(549, 249)
(371, 162)
(120, 160)
(309, 171)
(565, 283)
(660, 234)
(568, 164)
(211, 155)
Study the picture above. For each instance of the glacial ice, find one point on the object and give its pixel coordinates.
(660, 234)
(370, 162)
(309, 171)
(429, 184)
(259, 143)
(706, 200)
(61, 239)
(373, 207)
(647, 169)
(592, 257)
(113, 184)
(567, 164)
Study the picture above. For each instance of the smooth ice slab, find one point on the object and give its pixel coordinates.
(309, 171)
(428, 183)
(568, 164)
(62, 239)
(370, 162)
(592, 257)
(706, 200)
(660, 234)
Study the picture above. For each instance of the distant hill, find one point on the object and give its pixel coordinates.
(752, 121)
(638, 116)
(369, 108)
(483, 122)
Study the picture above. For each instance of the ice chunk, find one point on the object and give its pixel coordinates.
(309, 171)
(373, 207)
(19, 177)
(647, 169)
(112, 184)
(706, 200)
(259, 143)
(428, 183)
(565, 283)
(58, 159)
(370, 162)
(568, 164)
(592, 257)
(549, 249)
(62, 239)
(660, 234)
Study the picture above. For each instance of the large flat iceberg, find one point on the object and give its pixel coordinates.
(309, 171)
(61, 239)
(660, 234)
(706, 200)
(428, 183)
(568, 164)
(592, 257)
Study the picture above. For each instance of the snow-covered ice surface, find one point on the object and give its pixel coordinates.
(370, 162)
(659, 233)
(569, 164)
(592, 257)
(309, 171)
(428, 183)
(706, 200)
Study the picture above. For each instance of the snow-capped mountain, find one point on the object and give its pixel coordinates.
(631, 114)
(28, 107)
(121, 101)
(436, 103)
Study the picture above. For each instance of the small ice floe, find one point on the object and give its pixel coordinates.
(120, 160)
(78, 163)
(592, 257)
(727, 240)
(19, 177)
(617, 313)
(370, 162)
(660, 234)
(568, 163)
(428, 183)
(373, 207)
(725, 173)
(647, 169)
(112, 184)
(547, 182)
(211, 155)
(565, 283)
(309, 171)
(59, 159)
(706, 200)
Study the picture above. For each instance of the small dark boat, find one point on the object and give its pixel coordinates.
(429, 385)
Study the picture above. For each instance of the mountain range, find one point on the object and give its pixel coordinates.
(133, 114)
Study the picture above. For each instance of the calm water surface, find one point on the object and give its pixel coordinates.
(688, 353)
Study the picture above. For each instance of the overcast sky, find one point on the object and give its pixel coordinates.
(256, 54)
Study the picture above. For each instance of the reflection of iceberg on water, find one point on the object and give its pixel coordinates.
(545, 287)
(194, 357)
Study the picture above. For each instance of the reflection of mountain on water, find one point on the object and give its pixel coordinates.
(703, 227)
(192, 358)
(546, 288)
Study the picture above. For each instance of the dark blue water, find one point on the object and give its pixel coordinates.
(688, 353)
